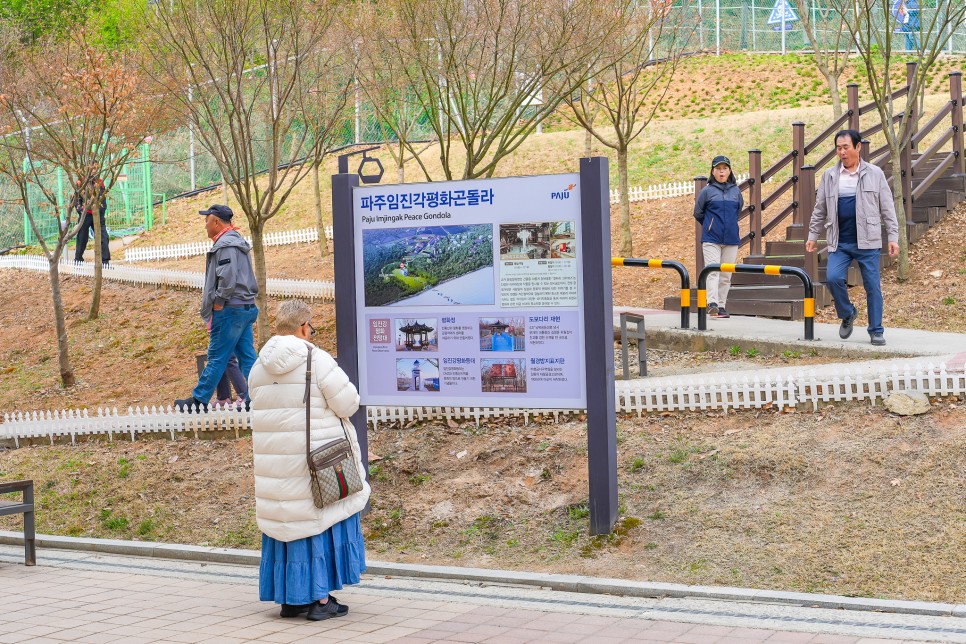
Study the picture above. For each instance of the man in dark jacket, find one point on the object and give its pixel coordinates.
(86, 215)
(228, 302)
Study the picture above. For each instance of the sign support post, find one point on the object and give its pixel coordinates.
(599, 344)
(346, 330)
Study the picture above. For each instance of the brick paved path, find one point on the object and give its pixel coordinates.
(61, 601)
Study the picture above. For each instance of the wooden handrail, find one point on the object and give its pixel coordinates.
(934, 175)
(875, 129)
(931, 125)
(781, 163)
(933, 149)
(779, 191)
(771, 225)
(868, 107)
(874, 154)
(825, 159)
(834, 127)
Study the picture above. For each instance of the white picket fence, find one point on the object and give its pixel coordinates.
(834, 383)
(139, 275)
(662, 191)
(309, 235)
(193, 249)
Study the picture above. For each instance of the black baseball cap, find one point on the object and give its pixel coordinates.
(719, 160)
(218, 210)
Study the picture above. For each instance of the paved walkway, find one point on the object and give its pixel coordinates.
(86, 597)
(766, 332)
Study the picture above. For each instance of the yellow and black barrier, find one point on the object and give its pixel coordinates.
(759, 269)
(665, 263)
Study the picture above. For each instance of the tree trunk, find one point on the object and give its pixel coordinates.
(401, 165)
(903, 270)
(60, 325)
(627, 242)
(588, 144)
(224, 191)
(262, 328)
(833, 90)
(319, 223)
(98, 266)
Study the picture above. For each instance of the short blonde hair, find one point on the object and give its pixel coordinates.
(291, 315)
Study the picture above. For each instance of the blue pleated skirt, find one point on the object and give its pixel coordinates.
(307, 570)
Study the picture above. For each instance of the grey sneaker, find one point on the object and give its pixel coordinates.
(713, 309)
(877, 340)
(847, 324)
(721, 314)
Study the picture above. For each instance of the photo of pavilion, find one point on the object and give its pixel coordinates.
(416, 334)
(417, 375)
(502, 334)
(504, 375)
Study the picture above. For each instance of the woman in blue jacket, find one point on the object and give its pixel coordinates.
(717, 208)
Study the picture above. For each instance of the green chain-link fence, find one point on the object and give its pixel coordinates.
(129, 202)
(756, 26)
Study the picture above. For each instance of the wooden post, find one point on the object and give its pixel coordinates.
(905, 162)
(956, 96)
(807, 205)
(913, 104)
(852, 90)
(754, 197)
(699, 184)
(798, 150)
(866, 150)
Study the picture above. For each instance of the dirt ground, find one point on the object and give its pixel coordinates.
(849, 500)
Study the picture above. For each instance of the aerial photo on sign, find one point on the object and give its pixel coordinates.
(428, 265)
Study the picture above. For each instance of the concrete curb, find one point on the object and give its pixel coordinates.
(566, 583)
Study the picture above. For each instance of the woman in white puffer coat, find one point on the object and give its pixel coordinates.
(306, 552)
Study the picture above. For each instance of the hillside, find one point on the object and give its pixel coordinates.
(849, 499)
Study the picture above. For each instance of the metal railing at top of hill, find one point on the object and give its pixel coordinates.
(694, 392)
(307, 289)
(802, 181)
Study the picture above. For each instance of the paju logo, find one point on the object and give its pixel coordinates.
(565, 194)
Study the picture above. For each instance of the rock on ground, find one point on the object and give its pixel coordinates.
(907, 403)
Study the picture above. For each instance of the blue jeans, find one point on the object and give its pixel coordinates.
(837, 268)
(231, 333)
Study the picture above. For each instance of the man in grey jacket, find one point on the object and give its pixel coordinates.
(853, 202)
(227, 304)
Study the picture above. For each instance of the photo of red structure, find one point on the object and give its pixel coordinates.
(505, 376)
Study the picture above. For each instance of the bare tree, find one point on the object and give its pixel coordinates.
(488, 72)
(628, 90)
(386, 85)
(319, 221)
(874, 26)
(67, 107)
(264, 83)
(831, 46)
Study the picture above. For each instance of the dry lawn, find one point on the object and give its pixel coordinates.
(848, 500)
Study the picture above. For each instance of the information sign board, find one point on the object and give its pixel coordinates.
(469, 293)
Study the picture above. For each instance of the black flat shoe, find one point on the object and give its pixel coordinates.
(294, 610)
(329, 609)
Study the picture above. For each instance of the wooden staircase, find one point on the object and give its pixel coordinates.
(936, 184)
